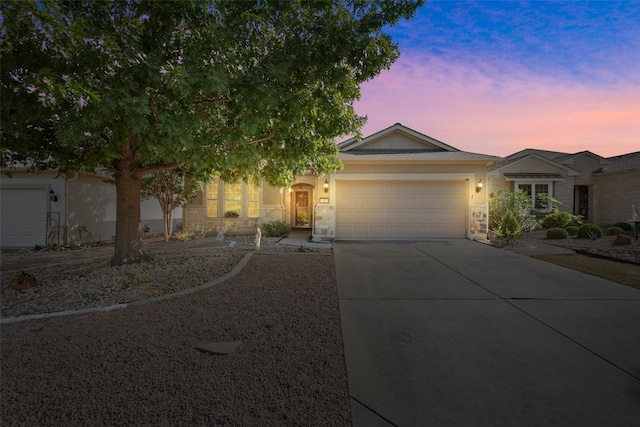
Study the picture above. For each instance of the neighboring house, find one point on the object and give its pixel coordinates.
(396, 184)
(600, 189)
(48, 208)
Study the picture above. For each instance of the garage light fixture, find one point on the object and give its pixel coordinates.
(479, 186)
(326, 186)
(52, 196)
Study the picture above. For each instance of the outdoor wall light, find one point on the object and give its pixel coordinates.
(52, 196)
(479, 186)
(326, 186)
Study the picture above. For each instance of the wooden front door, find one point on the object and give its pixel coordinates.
(302, 209)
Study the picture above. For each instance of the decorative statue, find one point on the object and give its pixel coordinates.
(258, 237)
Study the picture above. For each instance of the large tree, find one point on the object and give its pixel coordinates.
(245, 89)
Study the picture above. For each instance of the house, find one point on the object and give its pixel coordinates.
(600, 189)
(395, 184)
(48, 208)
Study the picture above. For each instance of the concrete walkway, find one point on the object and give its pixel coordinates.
(457, 333)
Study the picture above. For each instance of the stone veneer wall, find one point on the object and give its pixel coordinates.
(194, 217)
(479, 222)
(324, 221)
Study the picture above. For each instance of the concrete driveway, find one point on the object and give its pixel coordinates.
(457, 333)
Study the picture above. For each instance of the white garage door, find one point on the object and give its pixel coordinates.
(401, 210)
(24, 217)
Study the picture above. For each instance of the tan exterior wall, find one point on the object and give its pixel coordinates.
(613, 195)
(397, 140)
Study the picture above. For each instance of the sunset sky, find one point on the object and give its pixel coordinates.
(496, 77)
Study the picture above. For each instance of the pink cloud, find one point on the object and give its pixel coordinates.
(499, 108)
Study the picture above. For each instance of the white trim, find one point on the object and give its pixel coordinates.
(355, 143)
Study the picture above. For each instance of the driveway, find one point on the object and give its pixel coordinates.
(457, 333)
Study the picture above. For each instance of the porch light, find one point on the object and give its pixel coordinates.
(326, 186)
(479, 186)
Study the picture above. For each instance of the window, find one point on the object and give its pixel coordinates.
(536, 191)
(232, 200)
(212, 198)
(253, 200)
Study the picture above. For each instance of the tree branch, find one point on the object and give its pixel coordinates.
(145, 170)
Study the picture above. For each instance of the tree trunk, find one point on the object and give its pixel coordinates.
(128, 245)
(168, 226)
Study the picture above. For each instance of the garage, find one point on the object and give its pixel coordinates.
(401, 209)
(24, 217)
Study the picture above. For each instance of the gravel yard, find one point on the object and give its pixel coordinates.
(602, 247)
(139, 365)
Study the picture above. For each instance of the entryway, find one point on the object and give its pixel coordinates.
(302, 207)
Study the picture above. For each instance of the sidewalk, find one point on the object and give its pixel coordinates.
(301, 238)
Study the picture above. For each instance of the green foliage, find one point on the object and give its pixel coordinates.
(172, 188)
(560, 219)
(134, 280)
(572, 230)
(194, 232)
(509, 228)
(614, 231)
(276, 228)
(588, 231)
(519, 203)
(231, 214)
(625, 226)
(557, 233)
(243, 89)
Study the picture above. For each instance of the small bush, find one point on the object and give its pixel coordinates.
(556, 220)
(509, 228)
(625, 226)
(557, 233)
(275, 228)
(572, 230)
(231, 214)
(587, 231)
(614, 231)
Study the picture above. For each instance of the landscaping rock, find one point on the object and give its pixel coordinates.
(24, 281)
(621, 239)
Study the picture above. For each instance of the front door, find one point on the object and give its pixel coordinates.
(302, 209)
(583, 200)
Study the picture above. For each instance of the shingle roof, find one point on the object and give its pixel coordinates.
(625, 162)
(420, 155)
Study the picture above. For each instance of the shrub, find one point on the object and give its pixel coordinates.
(587, 231)
(561, 219)
(625, 226)
(556, 220)
(614, 231)
(509, 228)
(572, 230)
(557, 233)
(275, 228)
(518, 202)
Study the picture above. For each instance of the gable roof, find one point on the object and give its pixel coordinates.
(399, 143)
(420, 141)
(621, 163)
(544, 157)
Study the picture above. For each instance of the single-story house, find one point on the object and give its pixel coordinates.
(602, 190)
(395, 184)
(40, 208)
